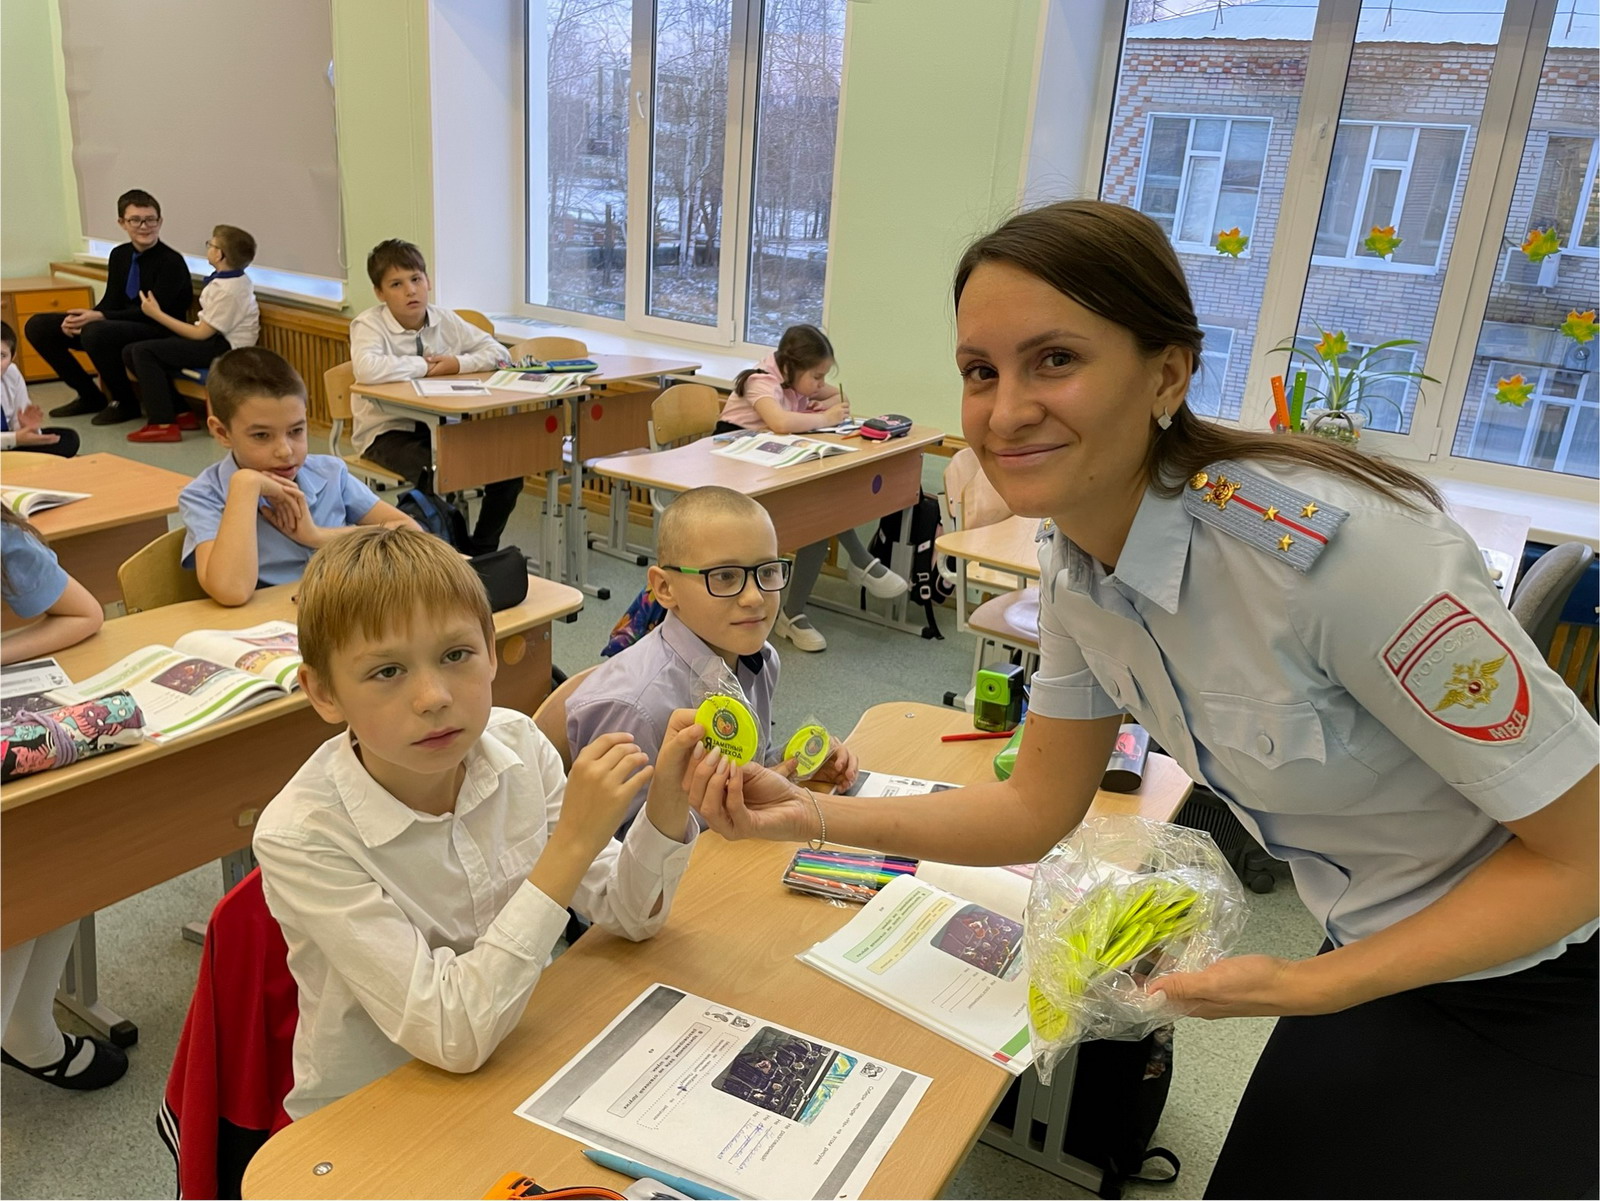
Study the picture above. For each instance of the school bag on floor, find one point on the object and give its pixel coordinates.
(1118, 1094)
(435, 515)
(931, 582)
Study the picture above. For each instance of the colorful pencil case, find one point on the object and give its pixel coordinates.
(844, 875)
(34, 741)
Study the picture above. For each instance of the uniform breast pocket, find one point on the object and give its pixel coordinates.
(1278, 753)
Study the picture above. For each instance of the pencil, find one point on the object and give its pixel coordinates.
(977, 735)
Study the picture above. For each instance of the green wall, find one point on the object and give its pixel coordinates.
(936, 109)
(38, 195)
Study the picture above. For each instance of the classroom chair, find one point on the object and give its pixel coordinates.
(1009, 622)
(682, 414)
(971, 502)
(547, 348)
(473, 317)
(551, 715)
(1545, 588)
(235, 1060)
(155, 575)
(337, 382)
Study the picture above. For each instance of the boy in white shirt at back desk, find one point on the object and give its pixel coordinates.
(407, 338)
(421, 863)
(20, 418)
(229, 318)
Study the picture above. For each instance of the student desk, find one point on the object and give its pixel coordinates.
(126, 509)
(80, 838)
(732, 936)
(807, 502)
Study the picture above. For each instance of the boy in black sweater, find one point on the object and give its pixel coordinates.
(144, 263)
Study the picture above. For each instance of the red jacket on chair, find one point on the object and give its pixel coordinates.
(235, 1060)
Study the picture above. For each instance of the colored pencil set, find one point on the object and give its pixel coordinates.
(852, 876)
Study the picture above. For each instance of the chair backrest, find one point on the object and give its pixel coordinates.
(682, 413)
(547, 348)
(551, 715)
(338, 381)
(155, 575)
(473, 317)
(1544, 590)
(972, 499)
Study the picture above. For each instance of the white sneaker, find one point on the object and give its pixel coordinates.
(801, 632)
(877, 580)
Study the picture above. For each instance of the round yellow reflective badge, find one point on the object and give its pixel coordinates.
(729, 726)
(809, 749)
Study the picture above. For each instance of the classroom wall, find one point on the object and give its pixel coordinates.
(932, 139)
(38, 195)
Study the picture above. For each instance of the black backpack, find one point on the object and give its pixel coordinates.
(435, 515)
(1117, 1097)
(929, 585)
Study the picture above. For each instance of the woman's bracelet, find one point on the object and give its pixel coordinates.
(816, 843)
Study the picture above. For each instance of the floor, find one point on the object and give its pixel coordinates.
(109, 1147)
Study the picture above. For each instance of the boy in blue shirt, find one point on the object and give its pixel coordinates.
(255, 517)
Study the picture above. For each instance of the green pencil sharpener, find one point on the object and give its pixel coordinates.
(997, 697)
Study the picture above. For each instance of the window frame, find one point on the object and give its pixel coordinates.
(1538, 401)
(1185, 177)
(728, 334)
(1586, 196)
(1226, 357)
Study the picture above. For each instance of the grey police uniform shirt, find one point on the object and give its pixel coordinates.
(1370, 711)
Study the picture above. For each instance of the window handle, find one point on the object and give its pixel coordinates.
(638, 105)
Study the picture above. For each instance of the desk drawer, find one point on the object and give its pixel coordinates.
(22, 305)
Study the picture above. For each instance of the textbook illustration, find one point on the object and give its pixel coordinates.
(202, 677)
(952, 964)
(25, 502)
(727, 1099)
(780, 450)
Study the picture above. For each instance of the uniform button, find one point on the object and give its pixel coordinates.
(1264, 743)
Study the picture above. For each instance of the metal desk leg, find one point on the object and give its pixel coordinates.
(577, 548)
(236, 865)
(80, 990)
(615, 542)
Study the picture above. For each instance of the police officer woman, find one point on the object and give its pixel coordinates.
(1301, 627)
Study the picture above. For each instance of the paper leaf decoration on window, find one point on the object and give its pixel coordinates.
(1514, 391)
(1580, 327)
(1231, 241)
(1333, 345)
(1382, 241)
(1541, 244)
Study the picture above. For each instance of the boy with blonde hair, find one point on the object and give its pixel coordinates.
(421, 862)
(720, 577)
(229, 318)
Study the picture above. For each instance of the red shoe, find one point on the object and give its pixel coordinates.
(157, 433)
(187, 420)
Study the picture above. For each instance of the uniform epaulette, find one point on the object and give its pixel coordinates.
(1270, 516)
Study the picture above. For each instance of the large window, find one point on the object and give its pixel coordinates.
(1556, 428)
(681, 162)
(1389, 175)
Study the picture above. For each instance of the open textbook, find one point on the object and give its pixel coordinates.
(729, 1100)
(25, 502)
(536, 385)
(949, 962)
(203, 677)
(780, 450)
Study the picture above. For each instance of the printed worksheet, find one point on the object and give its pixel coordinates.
(878, 783)
(725, 1098)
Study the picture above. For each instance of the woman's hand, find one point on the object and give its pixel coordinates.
(1245, 986)
(749, 801)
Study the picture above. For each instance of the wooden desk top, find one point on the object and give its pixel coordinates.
(121, 491)
(685, 467)
(546, 601)
(402, 395)
(733, 936)
(35, 283)
(1008, 545)
(617, 368)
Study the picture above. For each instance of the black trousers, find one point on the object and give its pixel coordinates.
(154, 364)
(65, 445)
(408, 452)
(1485, 1088)
(103, 342)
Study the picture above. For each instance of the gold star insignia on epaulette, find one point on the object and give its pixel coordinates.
(1270, 513)
(1199, 480)
(1310, 510)
(1285, 543)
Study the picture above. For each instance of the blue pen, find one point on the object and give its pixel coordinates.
(632, 1167)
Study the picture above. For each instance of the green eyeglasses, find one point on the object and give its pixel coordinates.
(729, 579)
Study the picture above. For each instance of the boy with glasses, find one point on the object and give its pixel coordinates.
(719, 577)
(144, 263)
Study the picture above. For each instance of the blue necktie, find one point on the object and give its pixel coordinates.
(133, 279)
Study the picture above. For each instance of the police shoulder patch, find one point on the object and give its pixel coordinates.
(1460, 673)
(1284, 522)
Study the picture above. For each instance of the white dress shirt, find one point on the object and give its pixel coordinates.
(228, 305)
(415, 935)
(14, 399)
(383, 351)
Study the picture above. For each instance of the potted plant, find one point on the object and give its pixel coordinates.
(1339, 394)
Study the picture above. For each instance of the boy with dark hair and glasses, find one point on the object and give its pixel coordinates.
(144, 263)
(720, 578)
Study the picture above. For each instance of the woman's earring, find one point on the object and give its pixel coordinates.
(1165, 420)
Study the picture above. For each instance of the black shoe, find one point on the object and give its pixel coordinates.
(114, 415)
(80, 407)
(108, 1066)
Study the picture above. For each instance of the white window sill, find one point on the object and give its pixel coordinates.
(717, 368)
(1555, 519)
(312, 290)
(1383, 266)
